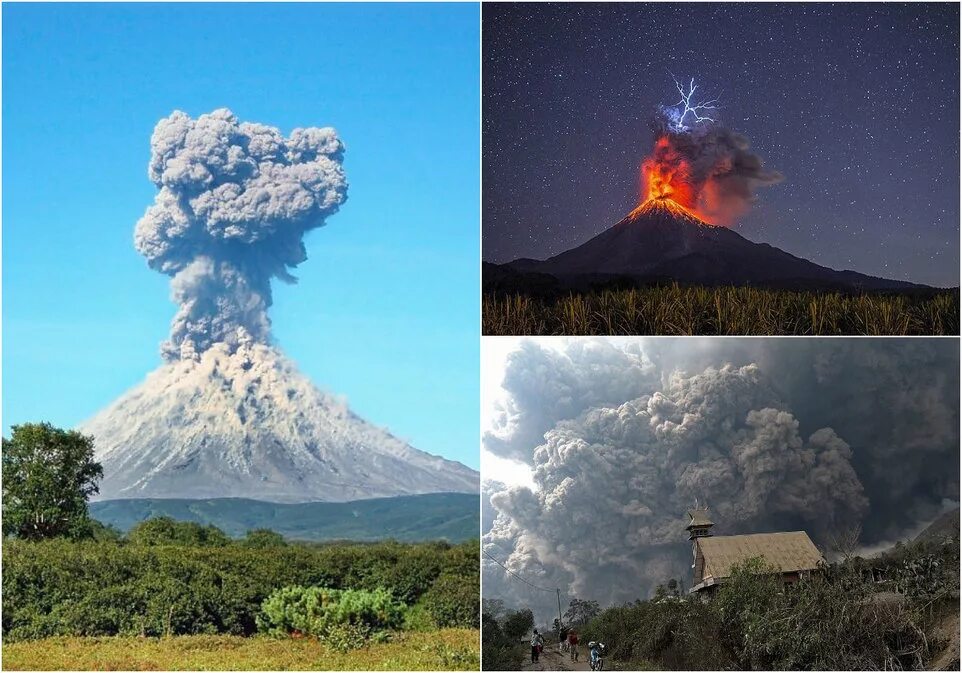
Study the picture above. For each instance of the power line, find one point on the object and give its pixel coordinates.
(514, 574)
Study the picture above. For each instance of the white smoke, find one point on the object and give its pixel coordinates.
(235, 201)
(748, 427)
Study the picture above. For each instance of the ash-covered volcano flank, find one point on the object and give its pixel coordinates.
(228, 415)
(662, 240)
(248, 424)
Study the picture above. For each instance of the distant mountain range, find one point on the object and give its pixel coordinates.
(413, 518)
(662, 241)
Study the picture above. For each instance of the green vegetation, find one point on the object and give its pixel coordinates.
(81, 594)
(160, 588)
(48, 474)
(415, 518)
(445, 650)
(342, 617)
(678, 310)
(886, 613)
(502, 632)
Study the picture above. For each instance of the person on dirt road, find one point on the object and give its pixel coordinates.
(573, 645)
(594, 656)
(536, 642)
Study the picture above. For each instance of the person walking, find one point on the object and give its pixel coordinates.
(536, 642)
(573, 644)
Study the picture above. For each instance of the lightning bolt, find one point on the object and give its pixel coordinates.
(681, 110)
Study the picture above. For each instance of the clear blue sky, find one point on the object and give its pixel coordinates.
(387, 308)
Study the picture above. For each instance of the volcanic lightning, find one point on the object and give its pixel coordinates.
(678, 113)
(697, 167)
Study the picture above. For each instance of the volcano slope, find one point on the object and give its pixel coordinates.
(248, 424)
(662, 270)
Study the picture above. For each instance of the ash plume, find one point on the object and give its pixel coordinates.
(721, 173)
(815, 435)
(235, 201)
(699, 163)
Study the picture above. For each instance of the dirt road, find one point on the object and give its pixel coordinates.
(552, 659)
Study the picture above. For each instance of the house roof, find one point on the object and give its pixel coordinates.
(788, 552)
(699, 517)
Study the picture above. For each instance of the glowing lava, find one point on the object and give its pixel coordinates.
(666, 182)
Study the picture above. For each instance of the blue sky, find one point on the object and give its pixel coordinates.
(387, 308)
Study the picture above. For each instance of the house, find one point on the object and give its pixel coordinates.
(793, 554)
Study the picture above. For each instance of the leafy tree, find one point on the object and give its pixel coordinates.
(581, 612)
(263, 538)
(518, 624)
(164, 530)
(48, 474)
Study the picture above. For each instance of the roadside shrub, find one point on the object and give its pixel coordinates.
(501, 651)
(323, 612)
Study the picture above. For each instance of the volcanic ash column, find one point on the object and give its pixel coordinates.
(228, 415)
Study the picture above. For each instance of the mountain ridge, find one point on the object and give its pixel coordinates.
(414, 518)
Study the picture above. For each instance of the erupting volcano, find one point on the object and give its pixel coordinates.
(697, 181)
(667, 183)
(228, 415)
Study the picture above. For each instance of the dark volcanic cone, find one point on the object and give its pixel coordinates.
(660, 240)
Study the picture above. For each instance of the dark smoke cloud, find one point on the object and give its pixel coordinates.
(721, 170)
(775, 434)
(235, 201)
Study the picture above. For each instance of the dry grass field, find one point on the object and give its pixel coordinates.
(447, 649)
(677, 310)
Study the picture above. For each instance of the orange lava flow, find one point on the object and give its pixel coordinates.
(666, 180)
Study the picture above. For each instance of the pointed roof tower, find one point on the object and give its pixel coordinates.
(700, 524)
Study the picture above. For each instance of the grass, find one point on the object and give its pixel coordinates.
(447, 649)
(678, 310)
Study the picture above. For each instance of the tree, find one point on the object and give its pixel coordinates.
(518, 624)
(164, 530)
(262, 538)
(48, 474)
(581, 612)
(845, 541)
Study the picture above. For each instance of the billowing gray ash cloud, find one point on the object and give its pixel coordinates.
(235, 201)
(817, 435)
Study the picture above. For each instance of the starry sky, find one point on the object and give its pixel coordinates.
(857, 105)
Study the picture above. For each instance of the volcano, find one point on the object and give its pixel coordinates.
(248, 424)
(661, 240)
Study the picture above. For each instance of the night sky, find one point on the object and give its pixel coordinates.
(857, 105)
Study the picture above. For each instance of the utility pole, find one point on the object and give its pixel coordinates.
(559, 613)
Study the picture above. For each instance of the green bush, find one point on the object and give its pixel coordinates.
(344, 616)
(453, 601)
